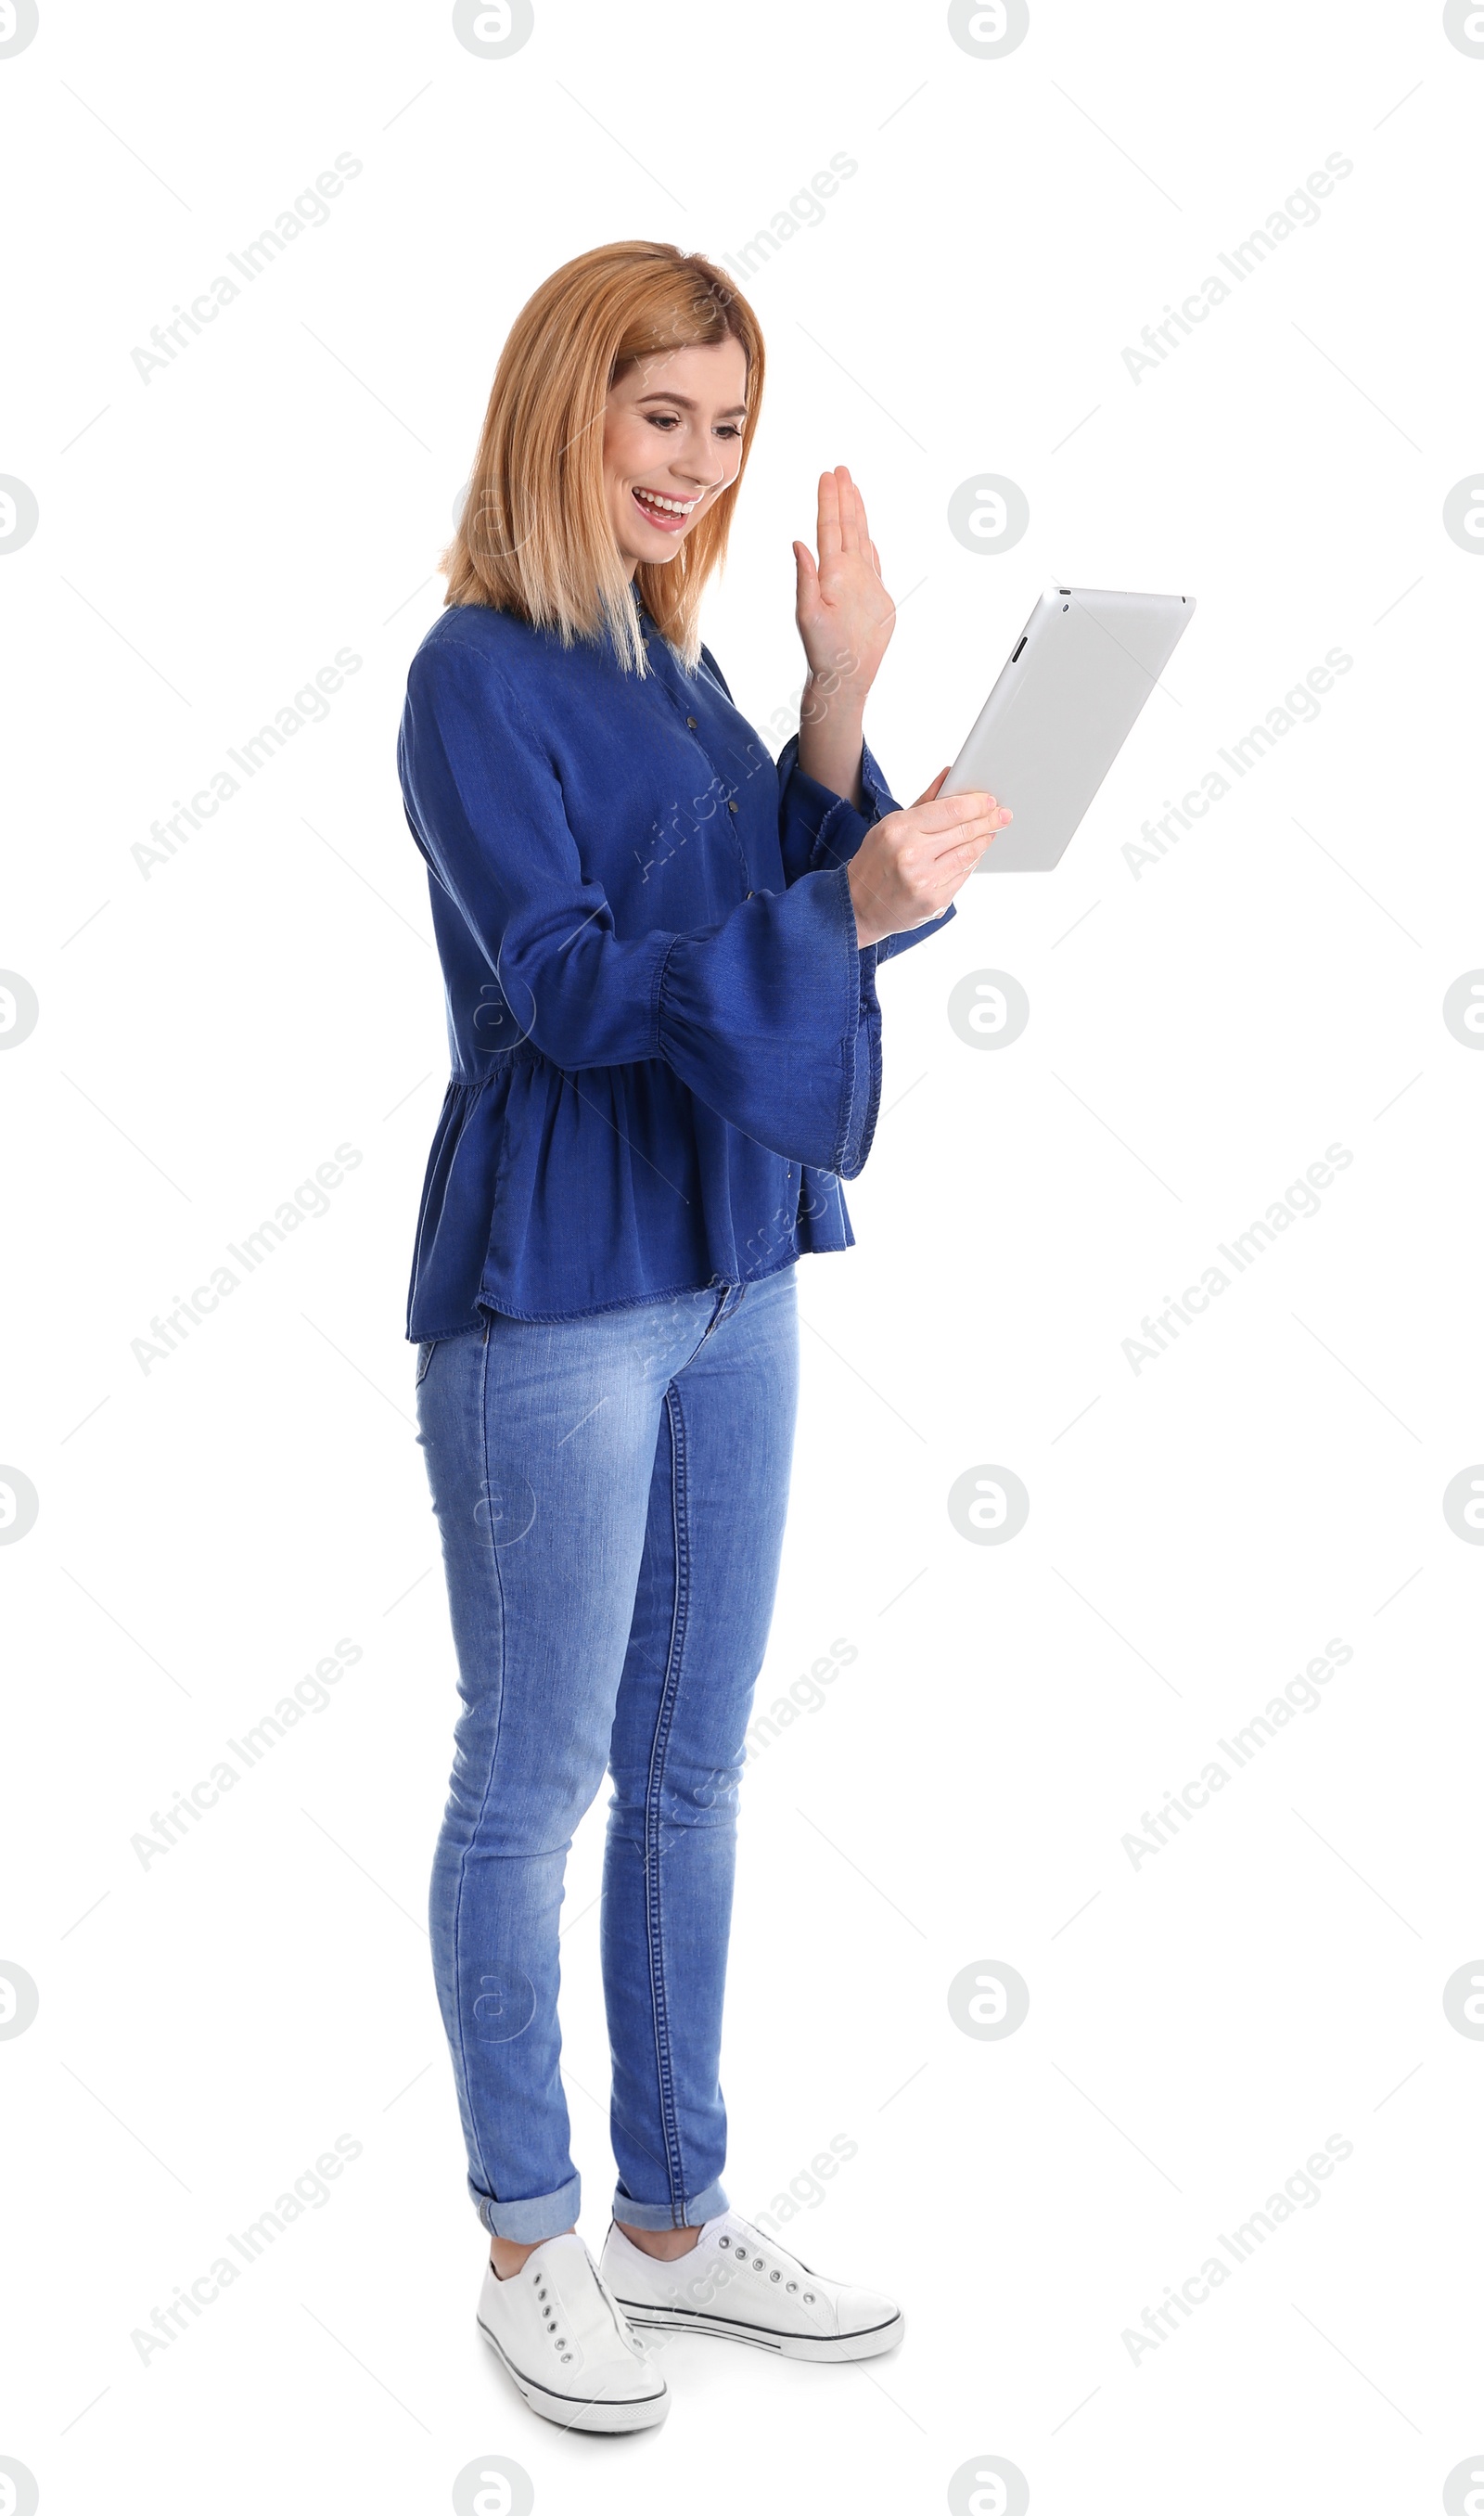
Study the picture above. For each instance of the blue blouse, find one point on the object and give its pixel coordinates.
(665, 1041)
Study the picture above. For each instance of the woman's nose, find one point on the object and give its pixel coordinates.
(702, 469)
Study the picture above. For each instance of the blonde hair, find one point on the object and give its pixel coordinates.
(535, 536)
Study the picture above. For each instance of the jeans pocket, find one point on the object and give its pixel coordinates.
(424, 1354)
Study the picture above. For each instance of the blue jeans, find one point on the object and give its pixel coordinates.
(611, 1493)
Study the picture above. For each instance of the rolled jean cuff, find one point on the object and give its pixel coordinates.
(530, 2223)
(709, 2205)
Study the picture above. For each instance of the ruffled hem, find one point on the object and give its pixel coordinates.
(522, 1151)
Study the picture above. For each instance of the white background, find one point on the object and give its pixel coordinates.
(1199, 1033)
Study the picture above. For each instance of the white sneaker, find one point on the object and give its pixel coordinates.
(564, 2341)
(744, 2286)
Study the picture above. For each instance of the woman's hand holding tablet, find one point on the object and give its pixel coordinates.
(908, 866)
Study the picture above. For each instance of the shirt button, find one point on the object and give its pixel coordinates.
(691, 721)
(731, 808)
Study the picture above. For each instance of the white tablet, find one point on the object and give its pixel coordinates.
(1061, 713)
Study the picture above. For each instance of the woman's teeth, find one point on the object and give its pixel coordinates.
(667, 513)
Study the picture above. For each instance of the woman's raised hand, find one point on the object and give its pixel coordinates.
(845, 615)
(909, 866)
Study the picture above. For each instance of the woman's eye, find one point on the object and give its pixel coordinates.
(669, 420)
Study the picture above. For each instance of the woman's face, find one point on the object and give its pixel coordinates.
(672, 444)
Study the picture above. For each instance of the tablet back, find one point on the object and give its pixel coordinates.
(1060, 712)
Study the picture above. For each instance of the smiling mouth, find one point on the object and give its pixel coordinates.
(667, 515)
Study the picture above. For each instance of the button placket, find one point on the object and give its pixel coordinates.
(733, 810)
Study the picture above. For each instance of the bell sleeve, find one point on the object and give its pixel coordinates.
(770, 1017)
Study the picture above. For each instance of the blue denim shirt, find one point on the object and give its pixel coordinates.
(665, 1041)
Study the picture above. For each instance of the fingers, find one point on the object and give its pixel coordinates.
(828, 536)
(964, 850)
(968, 838)
(842, 525)
(848, 517)
(864, 543)
(967, 852)
(944, 825)
(941, 814)
(849, 511)
(931, 892)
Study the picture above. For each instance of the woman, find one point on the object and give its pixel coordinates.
(660, 956)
